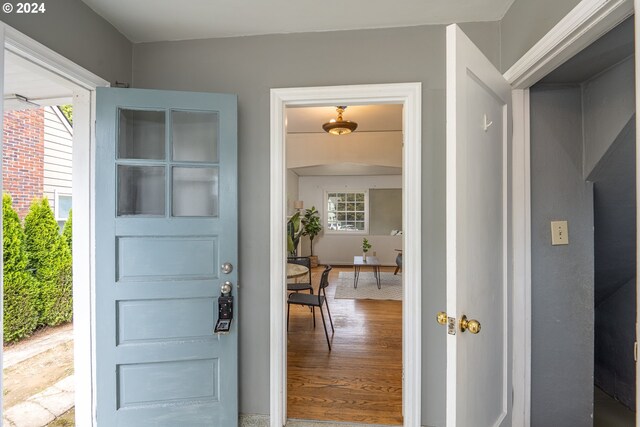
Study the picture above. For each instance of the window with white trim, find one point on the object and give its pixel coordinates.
(63, 206)
(347, 211)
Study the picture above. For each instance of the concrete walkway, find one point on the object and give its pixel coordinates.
(32, 347)
(42, 408)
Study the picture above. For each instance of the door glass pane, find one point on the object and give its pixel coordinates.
(141, 135)
(140, 190)
(195, 136)
(195, 191)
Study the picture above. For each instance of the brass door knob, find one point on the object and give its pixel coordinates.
(442, 318)
(472, 325)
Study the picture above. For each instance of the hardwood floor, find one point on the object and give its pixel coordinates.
(360, 380)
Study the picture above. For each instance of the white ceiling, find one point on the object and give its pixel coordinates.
(370, 118)
(33, 82)
(373, 121)
(159, 20)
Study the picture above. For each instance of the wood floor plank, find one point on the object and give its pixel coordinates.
(360, 380)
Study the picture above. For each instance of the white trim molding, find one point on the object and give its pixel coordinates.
(410, 95)
(586, 23)
(521, 211)
(39, 54)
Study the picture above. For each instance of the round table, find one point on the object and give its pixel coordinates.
(296, 270)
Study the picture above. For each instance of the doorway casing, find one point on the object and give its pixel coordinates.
(409, 95)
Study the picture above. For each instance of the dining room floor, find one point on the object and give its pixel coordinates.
(360, 379)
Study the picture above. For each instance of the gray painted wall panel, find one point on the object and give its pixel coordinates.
(615, 267)
(526, 22)
(615, 369)
(609, 103)
(562, 276)
(485, 35)
(72, 29)
(250, 67)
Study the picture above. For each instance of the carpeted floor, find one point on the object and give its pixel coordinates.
(367, 287)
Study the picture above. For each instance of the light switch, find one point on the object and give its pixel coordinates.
(559, 233)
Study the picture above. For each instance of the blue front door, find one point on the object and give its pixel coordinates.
(166, 220)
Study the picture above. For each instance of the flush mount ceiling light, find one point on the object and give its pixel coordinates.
(339, 126)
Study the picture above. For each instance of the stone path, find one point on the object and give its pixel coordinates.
(42, 408)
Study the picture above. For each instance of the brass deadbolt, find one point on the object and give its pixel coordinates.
(442, 318)
(472, 325)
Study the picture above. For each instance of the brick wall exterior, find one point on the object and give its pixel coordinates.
(23, 157)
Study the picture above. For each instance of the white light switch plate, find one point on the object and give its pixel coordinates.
(559, 233)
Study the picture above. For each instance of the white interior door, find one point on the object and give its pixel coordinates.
(478, 267)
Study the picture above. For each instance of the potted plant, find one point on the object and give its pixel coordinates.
(312, 227)
(365, 248)
(294, 231)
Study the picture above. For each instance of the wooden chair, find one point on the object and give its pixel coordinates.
(313, 301)
(304, 283)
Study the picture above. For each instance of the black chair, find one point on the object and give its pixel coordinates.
(313, 301)
(303, 283)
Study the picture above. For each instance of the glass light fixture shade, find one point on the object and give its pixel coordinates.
(339, 126)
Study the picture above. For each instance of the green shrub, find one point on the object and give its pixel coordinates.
(49, 258)
(67, 231)
(20, 316)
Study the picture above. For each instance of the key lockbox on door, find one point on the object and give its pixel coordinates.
(225, 314)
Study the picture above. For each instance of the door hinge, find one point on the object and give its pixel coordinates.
(635, 351)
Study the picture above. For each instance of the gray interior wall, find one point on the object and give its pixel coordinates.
(562, 281)
(385, 210)
(526, 22)
(250, 67)
(609, 103)
(615, 369)
(615, 267)
(75, 31)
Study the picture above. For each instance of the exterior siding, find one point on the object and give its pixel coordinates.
(58, 140)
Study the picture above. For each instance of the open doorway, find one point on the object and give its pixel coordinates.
(583, 172)
(405, 94)
(45, 78)
(354, 182)
(38, 354)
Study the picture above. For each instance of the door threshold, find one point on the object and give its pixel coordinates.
(316, 423)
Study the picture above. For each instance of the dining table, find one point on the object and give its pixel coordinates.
(296, 270)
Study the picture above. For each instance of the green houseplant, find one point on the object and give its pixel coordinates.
(312, 227)
(294, 231)
(365, 248)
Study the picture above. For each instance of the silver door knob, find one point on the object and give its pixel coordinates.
(226, 268)
(225, 288)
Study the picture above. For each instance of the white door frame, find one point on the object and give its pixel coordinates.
(410, 96)
(82, 84)
(583, 25)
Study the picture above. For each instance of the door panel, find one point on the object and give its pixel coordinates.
(166, 219)
(478, 283)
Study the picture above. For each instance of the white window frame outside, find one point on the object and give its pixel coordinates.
(56, 198)
(326, 212)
